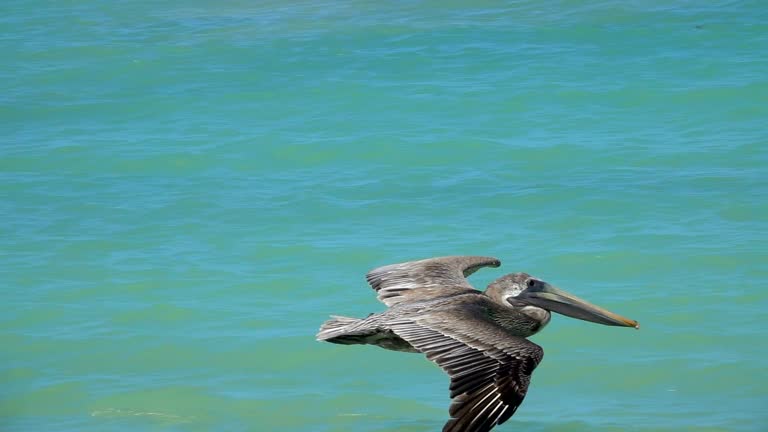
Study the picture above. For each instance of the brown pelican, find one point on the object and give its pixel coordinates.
(478, 338)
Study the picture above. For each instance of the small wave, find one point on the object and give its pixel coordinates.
(116, 412)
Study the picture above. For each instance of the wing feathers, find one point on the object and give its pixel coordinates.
(429, 278)
(489, 369)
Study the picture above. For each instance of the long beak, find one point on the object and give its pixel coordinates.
(557, 300)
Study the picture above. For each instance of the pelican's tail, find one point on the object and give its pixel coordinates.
(341, 330)
(371, 330)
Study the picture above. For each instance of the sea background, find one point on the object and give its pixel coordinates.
(190, 188)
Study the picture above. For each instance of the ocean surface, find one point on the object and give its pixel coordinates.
(189, 188)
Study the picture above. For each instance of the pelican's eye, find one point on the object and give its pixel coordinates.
(531, 283)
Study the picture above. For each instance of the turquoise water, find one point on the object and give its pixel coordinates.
(190, 188)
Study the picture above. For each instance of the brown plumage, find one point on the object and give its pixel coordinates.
(477, 338)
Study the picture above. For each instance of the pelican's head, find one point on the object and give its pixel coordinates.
(522, 289)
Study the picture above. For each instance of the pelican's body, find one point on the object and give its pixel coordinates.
(466, 307)
(478, 338)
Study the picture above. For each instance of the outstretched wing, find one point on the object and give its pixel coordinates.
(427, 278)
(490, 370)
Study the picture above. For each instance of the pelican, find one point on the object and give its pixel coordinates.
(477, 338)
